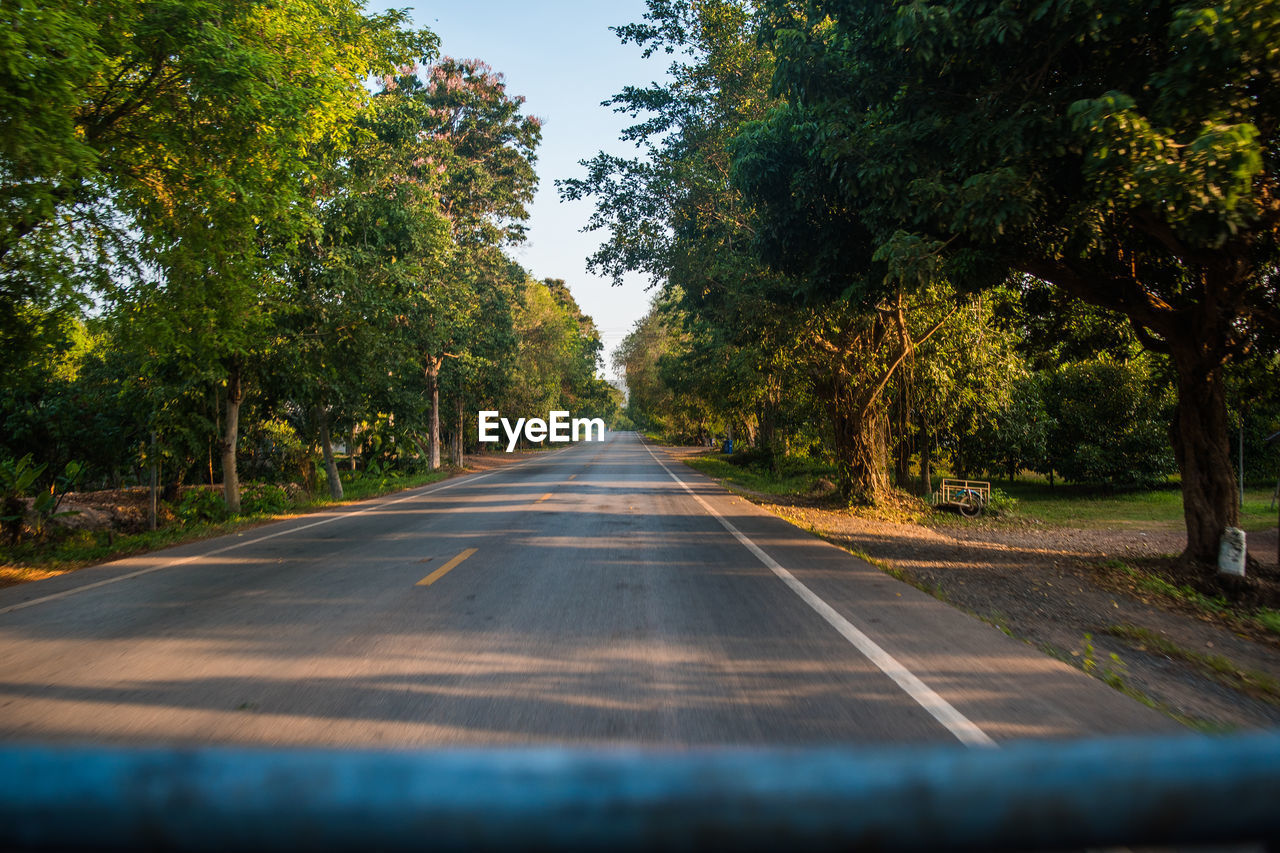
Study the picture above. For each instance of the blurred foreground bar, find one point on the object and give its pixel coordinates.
(1026, 796)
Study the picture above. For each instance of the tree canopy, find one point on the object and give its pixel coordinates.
(1126, 155)
(929, 220)
(252, 232)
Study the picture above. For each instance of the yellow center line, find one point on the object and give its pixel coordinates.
(445, 569)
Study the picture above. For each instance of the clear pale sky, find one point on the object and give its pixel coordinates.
(562, 57)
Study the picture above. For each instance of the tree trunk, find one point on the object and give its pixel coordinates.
(861, 451)
(1202, 447)
(458, 443)
(230, 437)
(326, 447)
(770, 442)
(926, 462)
(902, 467)
(433, 387)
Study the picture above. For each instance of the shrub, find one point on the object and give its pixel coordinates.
(16, 479)
(275, 452)
(1001, 502)
(1110, 427)
(263, 499)
(202, 505)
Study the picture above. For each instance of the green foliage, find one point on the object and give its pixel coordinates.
(18, 480)
(1122, 154)
(273, 451)
(796, 475)
(1109, 427)
(201, 506)
(558, 354)
(1101, 507)
(264, 499)
(17, 477)
(1113, 673)
(1215, 606)
(1001, 502)
(258, 232)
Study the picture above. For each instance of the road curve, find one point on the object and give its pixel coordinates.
(601, 594)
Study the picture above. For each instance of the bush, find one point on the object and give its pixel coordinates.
(751, 457)
(1001, 502)
(275, 451)
(263, 499)
(202, 505)
(1110, 426)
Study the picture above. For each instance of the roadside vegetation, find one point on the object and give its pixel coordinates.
(242, 245)
(1017, 501)
(1253, 608)
(199, 514)
(988, 240)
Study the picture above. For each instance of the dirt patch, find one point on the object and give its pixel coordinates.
(1047, 586)
(499, 459)
(122, 510)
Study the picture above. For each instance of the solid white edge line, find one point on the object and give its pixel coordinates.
(417, 493)
(965, 730)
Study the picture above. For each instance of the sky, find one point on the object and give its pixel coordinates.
(561, 56)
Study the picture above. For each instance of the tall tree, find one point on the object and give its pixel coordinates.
(227, 171)
(1126, 154)
(483, 146)
(183, 130)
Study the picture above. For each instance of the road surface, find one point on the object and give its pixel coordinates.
(600, 594)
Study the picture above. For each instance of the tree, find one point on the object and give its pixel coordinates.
(483, 147)
(1124, 154)
(185, 130)
(1108, 426)
(353, 282)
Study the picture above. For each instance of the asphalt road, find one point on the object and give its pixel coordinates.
(600, 594)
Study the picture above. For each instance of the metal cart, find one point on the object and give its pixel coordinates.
(970, 497)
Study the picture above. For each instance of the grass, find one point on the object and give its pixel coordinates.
(1217, 667)
(1144, 580)
(1081, 506)
(1063, 505)
(795, 475)
(1156, 584)
(45, 558)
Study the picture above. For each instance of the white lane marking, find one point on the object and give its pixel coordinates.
(448, 484)
(940, 709)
